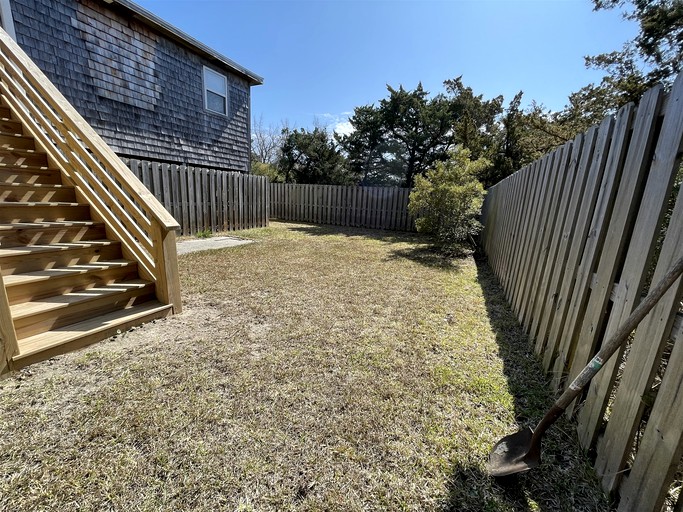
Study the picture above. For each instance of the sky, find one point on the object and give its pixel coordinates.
(321, 58)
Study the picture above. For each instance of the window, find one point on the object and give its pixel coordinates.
(215, 92)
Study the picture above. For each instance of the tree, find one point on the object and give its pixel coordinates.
(447, 201)
(655, 55)
(265, 142)
(312, 157)
(268, 170)
(401, 137)
(475, 120)
(407, 132)
(370, 154)
(511, 152)
(419, 126)
(658, 45)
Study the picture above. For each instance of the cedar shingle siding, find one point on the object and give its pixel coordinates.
(142, 92)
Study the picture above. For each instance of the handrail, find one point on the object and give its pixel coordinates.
(130, 211)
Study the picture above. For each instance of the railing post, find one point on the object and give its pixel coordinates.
(166, 266)
(8, 337)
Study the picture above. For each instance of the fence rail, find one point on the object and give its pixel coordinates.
(206, 199)
(367, 207)
(576, 238)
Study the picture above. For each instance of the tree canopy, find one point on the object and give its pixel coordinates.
(312, 157)
(407, 132)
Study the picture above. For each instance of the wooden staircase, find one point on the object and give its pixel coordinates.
(85, 249)
(67, 283)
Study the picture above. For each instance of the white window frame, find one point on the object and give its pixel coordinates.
(223, 93)
(7, 19)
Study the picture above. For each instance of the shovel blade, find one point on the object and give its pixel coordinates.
(513, 454)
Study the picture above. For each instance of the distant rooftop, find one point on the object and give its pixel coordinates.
(152, 20)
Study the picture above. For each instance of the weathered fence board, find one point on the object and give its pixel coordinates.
(612, 163)
(552, 298)
(575, 238)
(539, 243)
(367, 207)
(558, 207)
(206, 199)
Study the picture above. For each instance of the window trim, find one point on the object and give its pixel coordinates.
(223, 94)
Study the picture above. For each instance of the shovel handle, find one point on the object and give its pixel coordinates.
(610, 347)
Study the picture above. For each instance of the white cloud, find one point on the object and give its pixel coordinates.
(335, 123)
(343, 128)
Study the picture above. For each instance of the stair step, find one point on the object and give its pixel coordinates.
(56, 281)
(38, 212)
(71, 337)
(67, 284)
(43, 233)
(32, 258)
(49, 313)
(22, 158)
(7, 125)
(15, 141)
(29, 174)
(37, 193)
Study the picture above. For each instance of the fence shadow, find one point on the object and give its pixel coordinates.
(374, 234)
(565, 479)
(412, 246)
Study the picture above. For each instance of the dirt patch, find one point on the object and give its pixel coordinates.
(186, 246)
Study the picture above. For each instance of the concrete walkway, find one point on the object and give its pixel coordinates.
(204, 244)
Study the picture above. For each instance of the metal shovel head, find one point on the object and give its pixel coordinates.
(512, 454)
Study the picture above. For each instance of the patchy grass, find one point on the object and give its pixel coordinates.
(207, 233)
(317, 369)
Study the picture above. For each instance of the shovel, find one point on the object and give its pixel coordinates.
(520, 452)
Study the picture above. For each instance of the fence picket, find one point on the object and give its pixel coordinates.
(552, 268)
(207, 199)
(540, 243)
(341, 205)
(559, 239)
(595, 235)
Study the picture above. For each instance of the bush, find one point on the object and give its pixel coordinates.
(268, 170)
(447, 201)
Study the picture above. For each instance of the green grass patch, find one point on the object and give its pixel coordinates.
(316, 369)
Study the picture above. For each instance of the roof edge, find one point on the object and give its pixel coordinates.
(178, 35)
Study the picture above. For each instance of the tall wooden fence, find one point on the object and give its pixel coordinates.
(576, 238)
(206, 199)
(367, 207)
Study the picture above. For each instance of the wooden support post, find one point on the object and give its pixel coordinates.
(8, 337)
(166, 266)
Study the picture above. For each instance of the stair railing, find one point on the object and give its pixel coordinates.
(116, 196)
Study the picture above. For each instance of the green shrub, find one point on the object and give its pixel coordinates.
(447, 200)
(268, 170)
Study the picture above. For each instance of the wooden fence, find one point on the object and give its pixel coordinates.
(576, 238)
(366, 207)
(206, 199)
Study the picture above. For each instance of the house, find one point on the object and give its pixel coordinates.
(86, 250)
(150, 91)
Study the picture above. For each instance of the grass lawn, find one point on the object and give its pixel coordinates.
(316, 369)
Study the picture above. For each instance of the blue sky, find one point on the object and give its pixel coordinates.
(322, 58)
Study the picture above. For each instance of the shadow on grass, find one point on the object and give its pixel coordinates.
(373, 234)
(426, 254)
(565, 480)
(420, 249)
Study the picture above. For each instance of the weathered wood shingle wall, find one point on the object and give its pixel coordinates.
(141, 91)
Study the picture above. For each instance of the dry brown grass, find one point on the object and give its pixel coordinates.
(317, 369)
